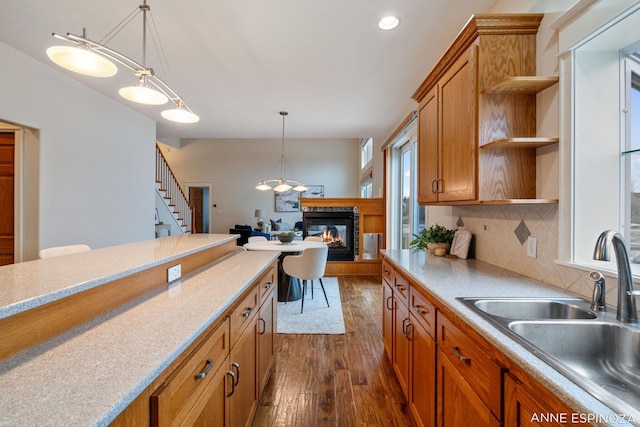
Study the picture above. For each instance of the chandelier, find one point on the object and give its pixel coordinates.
(283, 184)
(96, 60)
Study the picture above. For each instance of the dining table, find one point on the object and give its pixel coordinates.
(293, 248)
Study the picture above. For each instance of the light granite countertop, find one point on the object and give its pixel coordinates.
(27, 285)
(447, 279)
(89, 374)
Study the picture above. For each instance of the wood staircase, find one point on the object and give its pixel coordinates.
(170, 190)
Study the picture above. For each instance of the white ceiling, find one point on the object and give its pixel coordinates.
(238, 62)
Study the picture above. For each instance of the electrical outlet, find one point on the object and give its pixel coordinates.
(532, 247)
(174, 273)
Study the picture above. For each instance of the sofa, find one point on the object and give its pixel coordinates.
(246, 231)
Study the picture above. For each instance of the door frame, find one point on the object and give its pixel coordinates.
(206, 198)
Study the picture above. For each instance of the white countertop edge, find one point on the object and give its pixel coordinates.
(31, 303)
(569, 392)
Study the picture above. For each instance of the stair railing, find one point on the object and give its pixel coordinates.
(173, 192)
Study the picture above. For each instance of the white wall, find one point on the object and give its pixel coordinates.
(96, 156)
(235, 166)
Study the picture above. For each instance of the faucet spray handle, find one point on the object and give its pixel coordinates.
(598, 302)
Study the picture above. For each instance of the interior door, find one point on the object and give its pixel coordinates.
(7, 168)
(195, 200)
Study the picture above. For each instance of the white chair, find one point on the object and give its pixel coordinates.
(310, 265)
(313, 239)
(254, 239)
(62, 250)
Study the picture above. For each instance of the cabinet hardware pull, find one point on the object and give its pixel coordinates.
(207, 368)
(404, 325)
(387, 272)
(248, 312)
(389, 299)
(233, 383)
(267, 285)
(264, 326)
(456, 351)
(409, 335)
(434, 186)
(400, 287)
(421, 310)
(237, 366)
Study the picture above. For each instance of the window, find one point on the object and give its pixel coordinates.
(366, 188)
(632, 153)
(408, 218)
(602, 88)
(366, 152)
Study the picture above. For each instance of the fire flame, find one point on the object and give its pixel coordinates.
(330, 239)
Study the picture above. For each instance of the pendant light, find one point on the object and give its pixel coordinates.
(283, 184)
(94, 59)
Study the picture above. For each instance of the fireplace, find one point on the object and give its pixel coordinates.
(336, 228)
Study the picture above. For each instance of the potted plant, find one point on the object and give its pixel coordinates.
(433, 238)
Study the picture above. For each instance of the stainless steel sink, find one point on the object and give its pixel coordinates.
(593, 350)
(534, 309)
(602, 357)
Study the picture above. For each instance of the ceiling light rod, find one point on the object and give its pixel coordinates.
(284, 184)
(160, 93)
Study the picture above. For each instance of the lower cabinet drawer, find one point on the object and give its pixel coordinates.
(473, 363)
(268, 282)
(175, 398)
(244, 314)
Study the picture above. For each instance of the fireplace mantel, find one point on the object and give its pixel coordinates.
(372, 220)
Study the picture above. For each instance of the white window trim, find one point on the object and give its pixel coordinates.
(568, 235)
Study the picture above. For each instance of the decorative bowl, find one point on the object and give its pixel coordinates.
(287, 238)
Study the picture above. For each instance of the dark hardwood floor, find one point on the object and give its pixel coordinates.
(337, 380)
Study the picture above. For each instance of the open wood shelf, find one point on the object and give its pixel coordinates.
(532, 142)
(521, 85)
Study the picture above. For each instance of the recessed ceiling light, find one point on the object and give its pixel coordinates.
(388, 23)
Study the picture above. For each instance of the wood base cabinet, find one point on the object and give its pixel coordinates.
(529, 404)
(267, 335)
(422, 386)
(458, 403)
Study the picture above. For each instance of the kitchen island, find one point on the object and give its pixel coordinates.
(91, 372)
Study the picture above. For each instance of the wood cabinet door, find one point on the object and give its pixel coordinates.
(244, 398)
(266, 340)
(458, 403)
(422, 386)
(521, 408)
(428, 172)
(388, 311)
(401, 345)
(458, 96)
(211, 409)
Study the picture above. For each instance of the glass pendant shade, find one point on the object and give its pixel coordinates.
(300, 188)
(263, 186)
(180, 115)
(81, 61)
(143, 95)
(282, 186)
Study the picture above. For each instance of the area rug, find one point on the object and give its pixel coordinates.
(317, 318)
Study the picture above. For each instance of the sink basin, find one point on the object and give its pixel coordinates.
(602, 357)
(532, 309)
(593, 350)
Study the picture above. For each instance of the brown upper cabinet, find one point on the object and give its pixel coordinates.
(477, 115)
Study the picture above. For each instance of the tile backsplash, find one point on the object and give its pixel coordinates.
(500, 238)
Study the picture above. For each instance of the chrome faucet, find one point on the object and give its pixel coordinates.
(598, 302)
(627, 311)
